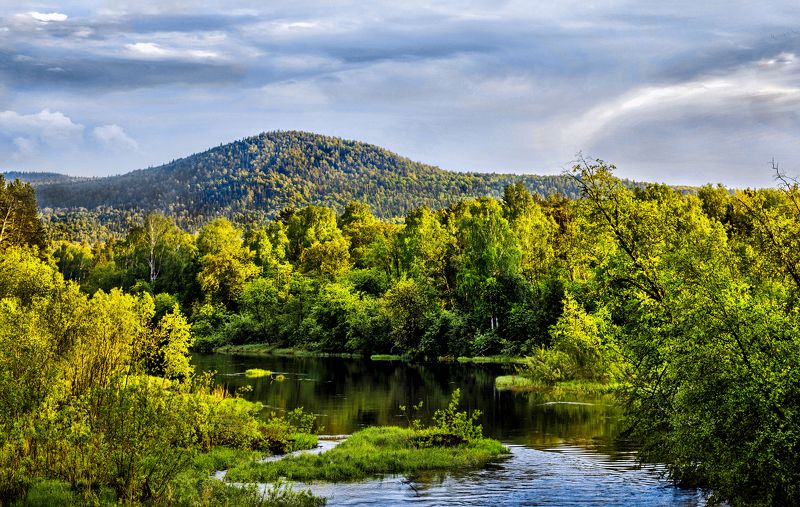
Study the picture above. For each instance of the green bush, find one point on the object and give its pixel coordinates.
(549, 366)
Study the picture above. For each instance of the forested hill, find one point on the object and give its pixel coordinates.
(270, 171)
(36, 178)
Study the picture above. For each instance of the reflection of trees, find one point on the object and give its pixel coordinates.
(348, 394)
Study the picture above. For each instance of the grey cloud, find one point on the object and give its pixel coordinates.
(91, 74)
(185, 23)
(476, 85)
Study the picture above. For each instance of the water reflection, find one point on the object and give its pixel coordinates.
(563, 451)
(350, 394)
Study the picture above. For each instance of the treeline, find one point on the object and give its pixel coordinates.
(256, 177)
(483, 276)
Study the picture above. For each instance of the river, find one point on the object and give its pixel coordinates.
(562, 447)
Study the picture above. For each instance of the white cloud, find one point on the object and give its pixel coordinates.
(53, 128)
(151, 50)
(767, 88)
(114, 136)
(48, 17)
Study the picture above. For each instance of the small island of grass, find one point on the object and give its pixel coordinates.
(257, 373)
(372, 452)
(453, 442)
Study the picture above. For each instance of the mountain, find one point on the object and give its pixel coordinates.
(262, 174)
(37, 178)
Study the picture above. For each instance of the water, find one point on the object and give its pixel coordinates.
(562, 447)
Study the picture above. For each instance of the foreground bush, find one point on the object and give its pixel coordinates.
(98, 394)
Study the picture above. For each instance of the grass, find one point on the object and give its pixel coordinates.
(522, 383)
(388, 357)
(372, 452)
(45, 493)
(513, 382)
(257, 373)
(192, 486)
(265, 349)
(195, 486)
(491, 360)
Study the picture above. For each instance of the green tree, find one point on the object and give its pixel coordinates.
(533, 229)
(713, 389)
(487, 254)
(19, 216)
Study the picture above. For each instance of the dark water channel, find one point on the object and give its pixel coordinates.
(563, 451)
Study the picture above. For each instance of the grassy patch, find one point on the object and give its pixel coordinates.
(257, 373)
(513, 382)
(522, 383)
(491, 360)
(265, 349)
(46, 493)
(195, 486)
(371, 452)
(388, 357)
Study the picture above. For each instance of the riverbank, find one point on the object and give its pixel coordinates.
(195, 485)
(264, 349)
(267, 350)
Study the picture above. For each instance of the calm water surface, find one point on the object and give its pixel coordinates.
(562, 448)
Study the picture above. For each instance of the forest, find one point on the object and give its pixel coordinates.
(254, 178)
(686, 302)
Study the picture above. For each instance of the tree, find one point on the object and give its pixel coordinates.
(487, 255)
(423, 245)
(161, 254)
(315, 242)
(713, 389)
(533, 229)
(226, 263)
(361, 228)
(19, 216)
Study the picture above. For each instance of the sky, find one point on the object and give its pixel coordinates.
(682, 92)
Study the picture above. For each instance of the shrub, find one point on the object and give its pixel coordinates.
(450, 426)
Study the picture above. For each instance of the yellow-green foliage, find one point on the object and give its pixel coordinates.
(257, 373)
(96, 394)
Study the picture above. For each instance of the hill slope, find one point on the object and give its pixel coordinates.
(265, 173)
(38, 178)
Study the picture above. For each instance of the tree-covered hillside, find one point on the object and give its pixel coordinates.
(263, 174)
(38, 178)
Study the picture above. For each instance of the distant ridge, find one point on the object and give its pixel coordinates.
(38, 178)
(267, 172)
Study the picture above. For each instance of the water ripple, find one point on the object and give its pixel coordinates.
(564, 475)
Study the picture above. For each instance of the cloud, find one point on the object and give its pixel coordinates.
(481, 85)
(48, 17)
(53, 128)
(155, 51)
(113, 136)
(37, 134)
